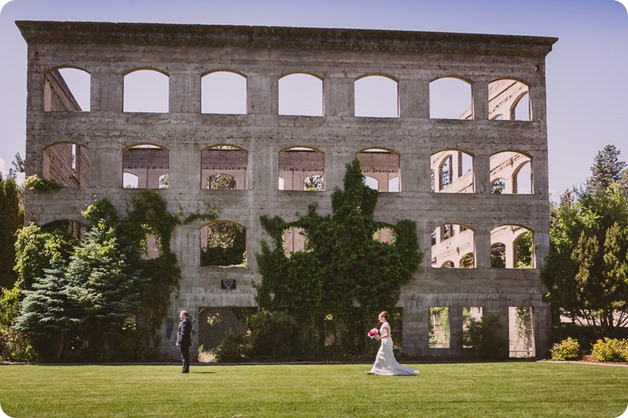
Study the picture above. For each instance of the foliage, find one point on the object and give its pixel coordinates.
(610, 350)
(486, 337)
(607, 170)
(236, 347)
(36, 183)
(586, 271)
(11, 219)
(45, 313)
(85, 297)
(568, 349)
(13, 345)
(273, 334)
(342, 266)
(226, 245)
(37, 249)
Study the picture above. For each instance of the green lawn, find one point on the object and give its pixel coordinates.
(512, 389)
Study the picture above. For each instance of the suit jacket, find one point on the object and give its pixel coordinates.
(184, 332)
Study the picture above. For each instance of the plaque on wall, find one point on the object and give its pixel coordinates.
(227, 284)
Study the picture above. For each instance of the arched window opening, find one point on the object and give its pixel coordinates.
(67, 163)
(301, 94)
(498, 255)
(383, 166)
(509, 99)
(511, 173)
(521, 332)
(448, 265)
(439, 336)
(75, 229)
(454, 171)
(164, 181)
(522, 183)
(149, 163)
(470, 314)
(152, 247)
(376, 96)
(67, 90)
(297, 164)
(313, 184)
(524, 251)
(294, 240)
(371, 182)
(450, 242)
(130, 181)
(512, 246)
(223, 244)
(467, 261)
(146, 91)
(224, 167)
(450, 98)
(223, 92)
(498, 186)
(385, 236)
(221, 181)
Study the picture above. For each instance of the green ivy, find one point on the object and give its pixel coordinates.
(342, 267)
(39, 184)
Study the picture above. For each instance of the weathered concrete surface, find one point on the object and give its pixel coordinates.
(107, 51)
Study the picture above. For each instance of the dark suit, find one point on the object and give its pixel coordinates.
(184, 341)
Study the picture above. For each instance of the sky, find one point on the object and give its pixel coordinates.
(586, 72)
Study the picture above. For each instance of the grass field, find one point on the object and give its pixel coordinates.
(510, 389)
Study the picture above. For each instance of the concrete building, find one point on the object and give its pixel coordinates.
(475, 181)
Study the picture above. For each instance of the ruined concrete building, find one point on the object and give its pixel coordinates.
(262, 121)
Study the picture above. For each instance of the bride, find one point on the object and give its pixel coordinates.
(385, 362)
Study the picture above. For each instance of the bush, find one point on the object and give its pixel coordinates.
(234, 348)
(610, 350)
(273, 334)
(568, 349)
(486, 338)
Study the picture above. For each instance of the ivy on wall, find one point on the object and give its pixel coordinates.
(343, 268)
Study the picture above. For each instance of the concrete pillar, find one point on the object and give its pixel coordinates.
(455, 327)
(479, 91)
(423, 99)
(482, 248)
(185, 92)
(107, 91)
(482, 173)
(185, 167)
(339, 96)
(262, 92)
(409, 96)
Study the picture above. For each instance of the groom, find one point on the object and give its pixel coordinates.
(184, 340)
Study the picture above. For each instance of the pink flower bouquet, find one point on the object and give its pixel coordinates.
(372, 333)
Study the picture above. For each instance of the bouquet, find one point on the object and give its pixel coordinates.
(372, 333)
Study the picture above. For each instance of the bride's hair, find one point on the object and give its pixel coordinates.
(384, 314)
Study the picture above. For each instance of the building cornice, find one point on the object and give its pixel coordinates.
(276, 37)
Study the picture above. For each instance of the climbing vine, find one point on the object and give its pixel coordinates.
(343, 273)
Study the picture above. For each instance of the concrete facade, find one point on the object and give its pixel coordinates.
(338, 57)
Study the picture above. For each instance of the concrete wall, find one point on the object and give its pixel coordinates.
(339, 57)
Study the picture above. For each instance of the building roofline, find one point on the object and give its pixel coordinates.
(280, 37)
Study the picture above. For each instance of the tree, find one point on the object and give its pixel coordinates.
(11, 219)
(45, 313)
(607, 169)
(101, 287)
(586, 270)
(344, 273)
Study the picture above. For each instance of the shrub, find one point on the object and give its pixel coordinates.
(234, 348)
(610, 350)
(486, 338)
(568, 349)
(273, 334)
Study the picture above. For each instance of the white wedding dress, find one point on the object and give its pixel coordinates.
(385, 362)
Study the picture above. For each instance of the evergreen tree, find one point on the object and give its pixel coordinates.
(586, 271)
(45, 314)
(607, 169)
(101, 287)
